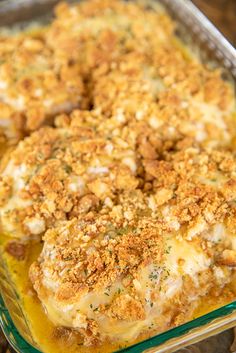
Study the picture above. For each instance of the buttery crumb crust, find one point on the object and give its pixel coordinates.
(57, 173)
(85, 162)
(34, 84)
(114, 267)
(114, 56)
(129, 178)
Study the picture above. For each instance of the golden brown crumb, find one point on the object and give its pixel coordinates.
(118, 265)
(133, 193)
(228, 258)
(35, 85)
(57, 173)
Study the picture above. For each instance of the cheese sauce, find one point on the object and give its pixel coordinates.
(51, 339)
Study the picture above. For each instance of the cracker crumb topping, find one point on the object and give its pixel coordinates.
(123, 166)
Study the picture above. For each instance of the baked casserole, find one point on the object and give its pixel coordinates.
(127, 183)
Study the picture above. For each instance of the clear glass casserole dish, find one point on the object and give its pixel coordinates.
(195, 29)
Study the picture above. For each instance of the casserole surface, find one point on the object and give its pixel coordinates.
(212, 110)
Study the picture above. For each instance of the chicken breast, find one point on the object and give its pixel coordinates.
(138, 69)
(97, 32)
(133, 193)
(170, 94)
(121, 58)
(143, 264)
(34, 84)
(56, 173)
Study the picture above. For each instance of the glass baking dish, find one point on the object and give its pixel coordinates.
(207, 41)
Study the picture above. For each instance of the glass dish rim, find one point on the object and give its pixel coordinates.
(224, 314)
(21, 345)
